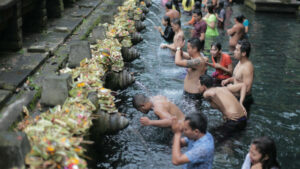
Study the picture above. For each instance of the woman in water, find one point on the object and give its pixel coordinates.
(168, 34)
(262, 155)
(221, 62)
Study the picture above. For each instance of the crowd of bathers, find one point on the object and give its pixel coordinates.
(227, 89)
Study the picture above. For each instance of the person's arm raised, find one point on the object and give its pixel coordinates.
(177, 157)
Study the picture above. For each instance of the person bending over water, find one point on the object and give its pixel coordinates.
(200, 143)
(195, 62)
(168, 34)
(262, 155)
(221, 98)
(243, 72)
(172, 13)
(221, 62)
(161, 106)
(236, 33)
(176, 26)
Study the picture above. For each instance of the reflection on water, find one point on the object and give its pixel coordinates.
(276, 91)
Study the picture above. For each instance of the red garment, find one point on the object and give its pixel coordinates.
(225, 61)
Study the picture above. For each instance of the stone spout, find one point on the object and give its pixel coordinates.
(108, 123)
(118, 80)
(129, 54)
(136, 38)
(139, 26)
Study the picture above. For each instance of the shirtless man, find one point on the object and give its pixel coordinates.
(161, 106)
(179, 35)
(195, 62)
(221, 98)
(173, 14)
(243, 72)
(236, 33)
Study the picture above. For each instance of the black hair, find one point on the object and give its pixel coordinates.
(206, 80)
(217, 45)
(139, 100)
(210, 8)
(197, 121)
(167, 19)
(239, 19)
(198, 12)
(187, 3)
(197, 5)
(245, 46)
(175, 3)
(243, 17)
(169, 5)
(221, 4)
(266, 147)
(176, 21)
(195, 42)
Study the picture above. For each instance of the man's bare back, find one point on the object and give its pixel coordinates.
(163, 108)
(221, 98)
(236, 33)
(173, 14)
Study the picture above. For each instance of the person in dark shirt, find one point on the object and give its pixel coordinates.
(168, 34)
(199, 27)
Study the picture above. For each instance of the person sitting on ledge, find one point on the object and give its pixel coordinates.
(161, 106)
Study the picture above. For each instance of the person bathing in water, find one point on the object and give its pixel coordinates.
(176, 26)
(161, 106)
(221, 62)
(243, 72)
(172, 13)
(195, 64)
(168, 33)
(236, 33)
(221, 98)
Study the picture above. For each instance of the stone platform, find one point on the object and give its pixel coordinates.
(284, 6)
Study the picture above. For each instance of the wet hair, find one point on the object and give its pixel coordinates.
(167, 19)
(206, 80)
(210, 8)
(139, 100)
(239, 19)
(198, 12)
(245, 46)
(197, 121)
(195, 42)
(197, 5)
(266, 147)
(168, 5)
(217, 45)
(176, 21)
(243, 17)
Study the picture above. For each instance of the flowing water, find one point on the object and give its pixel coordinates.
(275, 40)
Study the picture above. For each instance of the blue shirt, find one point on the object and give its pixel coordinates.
(246, 22)
(200, 152)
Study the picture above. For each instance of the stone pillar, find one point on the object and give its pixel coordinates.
(13, 148)
(36, 17)
(12, 36)
(54, 8)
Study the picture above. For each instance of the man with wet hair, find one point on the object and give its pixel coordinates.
(196, 66)
(179, 35)
(161, 106)
(236, 33)
(221, 98)
(172, 13)
(200, 143)
(243, 74)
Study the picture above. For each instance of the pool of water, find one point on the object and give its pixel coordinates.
(276, 91)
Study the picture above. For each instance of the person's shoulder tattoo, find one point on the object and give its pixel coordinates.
(193, 62)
